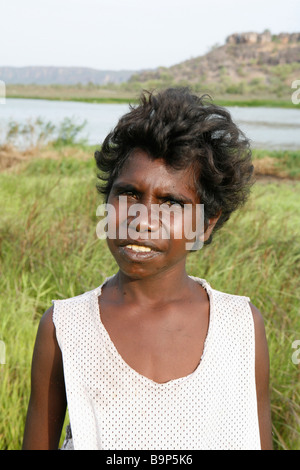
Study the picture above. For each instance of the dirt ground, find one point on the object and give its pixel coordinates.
(14, 160)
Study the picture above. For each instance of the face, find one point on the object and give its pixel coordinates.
(155, 211)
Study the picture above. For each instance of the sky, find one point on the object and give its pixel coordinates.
(130, 34)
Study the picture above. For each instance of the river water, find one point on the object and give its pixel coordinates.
(267, 128)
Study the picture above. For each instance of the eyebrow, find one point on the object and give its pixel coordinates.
(125, 187)
(118, 187)
(178, 197)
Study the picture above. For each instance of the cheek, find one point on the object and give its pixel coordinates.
(184, 223)
(190, 226)
(117, 213)
(178, 226)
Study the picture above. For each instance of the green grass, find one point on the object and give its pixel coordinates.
(130, 92)
(49, 250)
(259, 102)
(242, 101)
(108, 100)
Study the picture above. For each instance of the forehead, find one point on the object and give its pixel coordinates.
(143, 169)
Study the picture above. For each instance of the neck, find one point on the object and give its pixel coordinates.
(153, 290)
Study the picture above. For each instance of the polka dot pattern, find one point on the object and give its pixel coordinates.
(113, 407)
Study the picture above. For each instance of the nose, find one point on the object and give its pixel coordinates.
(146, 217)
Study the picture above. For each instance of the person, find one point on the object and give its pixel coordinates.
(155, 358)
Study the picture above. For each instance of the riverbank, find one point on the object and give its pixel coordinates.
(121, 95)
(80, 93)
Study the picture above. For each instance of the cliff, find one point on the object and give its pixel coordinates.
(263, 38)
(247, 64)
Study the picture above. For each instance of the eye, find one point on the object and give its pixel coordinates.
(127, 193)
(173, 202)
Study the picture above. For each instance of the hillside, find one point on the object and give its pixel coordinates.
(253, 68)
(249, 63)
(62, 75)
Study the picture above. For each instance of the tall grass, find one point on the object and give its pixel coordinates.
(49, 250)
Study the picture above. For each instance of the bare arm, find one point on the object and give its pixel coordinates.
(47, 405)
(262, 380)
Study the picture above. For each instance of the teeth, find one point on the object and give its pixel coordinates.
(139, 248)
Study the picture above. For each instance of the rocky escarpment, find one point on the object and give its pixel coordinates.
(263, 38)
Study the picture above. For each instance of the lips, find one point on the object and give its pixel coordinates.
(140, 246)
(138, 250)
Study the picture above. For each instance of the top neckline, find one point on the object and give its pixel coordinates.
(134, 372)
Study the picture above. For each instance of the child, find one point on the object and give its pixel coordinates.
(154, 358)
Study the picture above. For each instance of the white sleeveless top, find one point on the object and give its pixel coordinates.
(113, 407)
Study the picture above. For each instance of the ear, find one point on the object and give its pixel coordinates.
(211, 225)
(205, 233)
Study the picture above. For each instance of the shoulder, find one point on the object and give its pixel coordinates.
(77, 298)
(257, 317)
(46, 330)
(241, 311)
(71, 316)
(46, 325)
(233, 304)
(66, 308)
(259, 327)
(238, 304)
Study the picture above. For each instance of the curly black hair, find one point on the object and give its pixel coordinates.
(184, 130)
